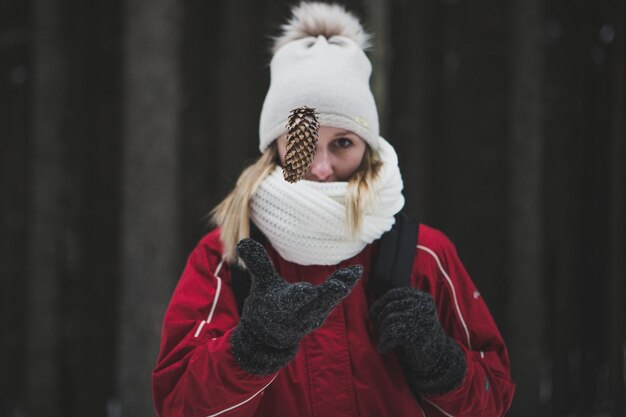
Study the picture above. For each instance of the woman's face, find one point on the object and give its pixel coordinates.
(339, 154)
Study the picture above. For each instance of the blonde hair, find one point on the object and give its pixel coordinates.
(233, 213)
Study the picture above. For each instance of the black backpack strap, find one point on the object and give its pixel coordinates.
(240, 280)
(396, 253)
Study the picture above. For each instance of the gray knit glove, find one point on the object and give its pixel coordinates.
(276, 315)
(406, 319)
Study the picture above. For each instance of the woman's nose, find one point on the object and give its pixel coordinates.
(321, 168)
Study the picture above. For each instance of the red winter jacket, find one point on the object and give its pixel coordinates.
(337, 370)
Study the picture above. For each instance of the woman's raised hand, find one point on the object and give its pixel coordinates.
(277, 314)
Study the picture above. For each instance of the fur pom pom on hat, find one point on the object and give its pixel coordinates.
(319, 62)
(328, 20)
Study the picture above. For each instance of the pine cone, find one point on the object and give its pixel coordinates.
(302, 130)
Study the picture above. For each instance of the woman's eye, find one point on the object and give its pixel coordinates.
(342, 143)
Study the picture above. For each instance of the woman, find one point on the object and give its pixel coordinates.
(311, 340)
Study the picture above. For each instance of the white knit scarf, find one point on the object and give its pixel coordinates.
(306, 221)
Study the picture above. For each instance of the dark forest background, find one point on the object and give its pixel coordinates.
(123, 122)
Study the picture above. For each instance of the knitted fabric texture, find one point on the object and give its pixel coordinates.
(306, 221)
(277, 315)
(406, 319)
(324, 69)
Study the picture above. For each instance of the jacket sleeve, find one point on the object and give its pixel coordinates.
(196, 374)
(487, 388)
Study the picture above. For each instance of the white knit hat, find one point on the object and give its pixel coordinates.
(320, 62)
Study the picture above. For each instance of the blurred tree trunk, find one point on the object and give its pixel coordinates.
(92, 141)
(563, 198)
(151, 225)
(44, 267)
(15, 99)
(617, 224)
(242, 55)
(527, 298)
(200, 115)
(379, 13)
(414, 96)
